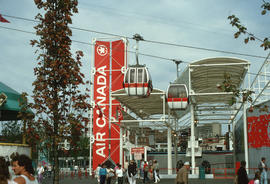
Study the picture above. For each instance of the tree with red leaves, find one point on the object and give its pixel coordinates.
(60, 104)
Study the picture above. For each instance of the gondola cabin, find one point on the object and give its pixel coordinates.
(137, 81)
(177, 96)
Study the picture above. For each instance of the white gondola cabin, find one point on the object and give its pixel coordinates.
(137, 81)
(177, 96)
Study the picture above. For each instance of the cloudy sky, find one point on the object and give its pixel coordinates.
(186, 23)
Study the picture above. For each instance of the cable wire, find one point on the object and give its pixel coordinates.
(87, 43)
(142, 54)
(150, 41)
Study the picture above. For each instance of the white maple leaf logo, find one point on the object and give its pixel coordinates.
(102, 50)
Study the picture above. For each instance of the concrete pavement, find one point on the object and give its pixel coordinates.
(76, 180)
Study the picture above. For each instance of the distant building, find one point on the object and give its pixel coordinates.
(208, 130)
(258, 128)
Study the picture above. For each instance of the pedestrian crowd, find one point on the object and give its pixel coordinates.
(130, 173)
(260, 176)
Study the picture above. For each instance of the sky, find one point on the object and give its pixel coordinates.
(194, 23)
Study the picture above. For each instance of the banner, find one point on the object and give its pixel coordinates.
(103, 135)
(101, 99)
(118, 61)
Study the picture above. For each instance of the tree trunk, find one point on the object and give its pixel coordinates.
(56, 162)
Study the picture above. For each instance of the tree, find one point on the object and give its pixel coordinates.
(235, 22)
(265, 43)
(58, 100)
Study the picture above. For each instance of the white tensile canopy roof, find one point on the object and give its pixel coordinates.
(201, 78)
(143, 107)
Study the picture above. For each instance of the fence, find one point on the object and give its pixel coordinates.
(215, 173)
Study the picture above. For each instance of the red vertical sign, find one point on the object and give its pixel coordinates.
(101, 98)
(118, 61)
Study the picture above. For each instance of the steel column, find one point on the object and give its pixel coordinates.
(192, 139)
(169, 145)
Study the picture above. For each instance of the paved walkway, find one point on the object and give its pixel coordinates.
(69, 180)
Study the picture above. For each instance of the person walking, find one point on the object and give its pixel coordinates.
(141, 168)
(119, 172)
(102, 174)
(242, 177)
(22, 166)
(40, 171)
(97, 173)
(4, 172)
(182, 174)
(132, 172)
(145, 172)
(156, 171)
(110, 174)
(263, 170)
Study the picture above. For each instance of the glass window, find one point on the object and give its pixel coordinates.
(145, 75)
(182, 91)
(132, 75)
(127, 76)
(172, 93)
(140, 75)
(177, 91)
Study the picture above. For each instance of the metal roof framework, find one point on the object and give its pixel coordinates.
(203, 78)
(152, 109)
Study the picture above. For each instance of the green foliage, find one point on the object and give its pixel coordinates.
(235, 22)
(82, 149)
(11, 132)
(266, 7)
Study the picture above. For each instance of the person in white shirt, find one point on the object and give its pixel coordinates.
(22, 167)
(40, 171)
(119, 174)
(257, 177)
(76, 169)
(263, 170)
